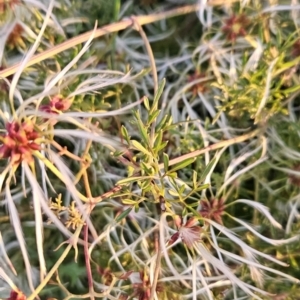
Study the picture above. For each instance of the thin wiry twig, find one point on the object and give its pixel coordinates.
(115, 27)
(157, 269)
(213, 147)
(139, 28)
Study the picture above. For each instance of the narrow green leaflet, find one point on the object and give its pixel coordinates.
(164, 123)
(162, 146)
(123, 215)
(146, 103)
(194, 179)
(125, 134)
(286, 66)
(196, 214)
(207, 169)
(140, 147)
(290, 90)
(131, 179)
(145, 185)
(148, 169)
(128, 202)
(172, 174)
(157, 96)
(182, 164)
(158, 139)
(141, 127)
(217, 116)
(161, 123)
(166, 161)
(173, 193)
(182, 189)
(202, 187)
(153, 116)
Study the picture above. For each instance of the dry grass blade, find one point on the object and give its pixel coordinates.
(115, 27)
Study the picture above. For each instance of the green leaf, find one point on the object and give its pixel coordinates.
(166, 161)
(183, 164)
(142, 129)
(216, 117)
(123, 215)
(118, 153)
(153, 116)
(157, 96)
(158, 139)
(194, 179)
(182, 189)
(125, 134)
(140, 147)
(146, 186)
(163, 123)
(286, 66)
(131, 179)
(146, 103)
(172, 174)
(130, 170)
(169, 122)
(202, 187)
(173, 193)
(136, 208)
(207, 169)
(162, 146)
(148, 169)
(196, 214)
(128, 202)
(290, 90)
